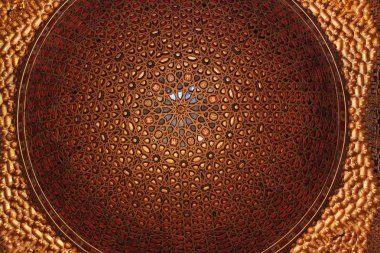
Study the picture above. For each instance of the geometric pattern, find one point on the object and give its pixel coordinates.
(181, 127)
(349, 25)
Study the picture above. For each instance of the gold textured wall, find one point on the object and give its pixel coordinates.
(345, 223)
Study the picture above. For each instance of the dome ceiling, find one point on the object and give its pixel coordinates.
(182, 127)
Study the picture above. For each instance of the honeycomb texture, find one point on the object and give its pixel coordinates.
(22, 227)
(345, 223)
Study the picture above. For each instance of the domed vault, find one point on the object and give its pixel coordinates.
(182, 126)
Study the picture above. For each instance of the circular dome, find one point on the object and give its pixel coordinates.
(181, 126)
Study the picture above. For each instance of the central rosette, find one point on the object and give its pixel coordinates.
(182, 109)
(153, 126)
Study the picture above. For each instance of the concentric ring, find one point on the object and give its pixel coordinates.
(188, 129)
